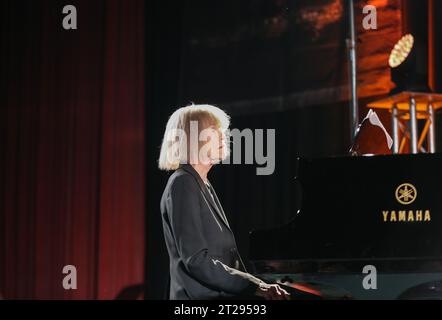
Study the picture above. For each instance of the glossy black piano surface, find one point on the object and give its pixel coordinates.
(384, 211)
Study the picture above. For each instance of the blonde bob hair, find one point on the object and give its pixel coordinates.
(175, 147)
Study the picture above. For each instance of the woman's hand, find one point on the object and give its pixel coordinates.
(271, 292)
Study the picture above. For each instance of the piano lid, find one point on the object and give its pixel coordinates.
(374, 207)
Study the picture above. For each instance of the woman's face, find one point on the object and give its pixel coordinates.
(214, 145)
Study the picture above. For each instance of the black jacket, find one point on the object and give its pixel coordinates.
(204, 259)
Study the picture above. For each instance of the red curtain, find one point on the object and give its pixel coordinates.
(71, 148)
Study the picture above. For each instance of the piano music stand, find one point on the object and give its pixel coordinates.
(406, 108)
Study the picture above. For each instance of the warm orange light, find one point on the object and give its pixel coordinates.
(401, 51)
(306, 289)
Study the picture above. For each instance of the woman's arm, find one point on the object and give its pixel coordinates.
(183, 207)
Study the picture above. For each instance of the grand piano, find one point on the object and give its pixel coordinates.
(382, 213)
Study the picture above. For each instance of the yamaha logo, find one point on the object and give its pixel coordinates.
(406, 193)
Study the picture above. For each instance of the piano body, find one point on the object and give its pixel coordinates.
(381, 211)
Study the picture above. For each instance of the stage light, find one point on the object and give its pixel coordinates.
(401, 51)
(408, 66)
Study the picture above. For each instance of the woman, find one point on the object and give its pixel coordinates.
(204, 260)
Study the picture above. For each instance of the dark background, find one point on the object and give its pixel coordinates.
(82, 115)
(71, 148)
